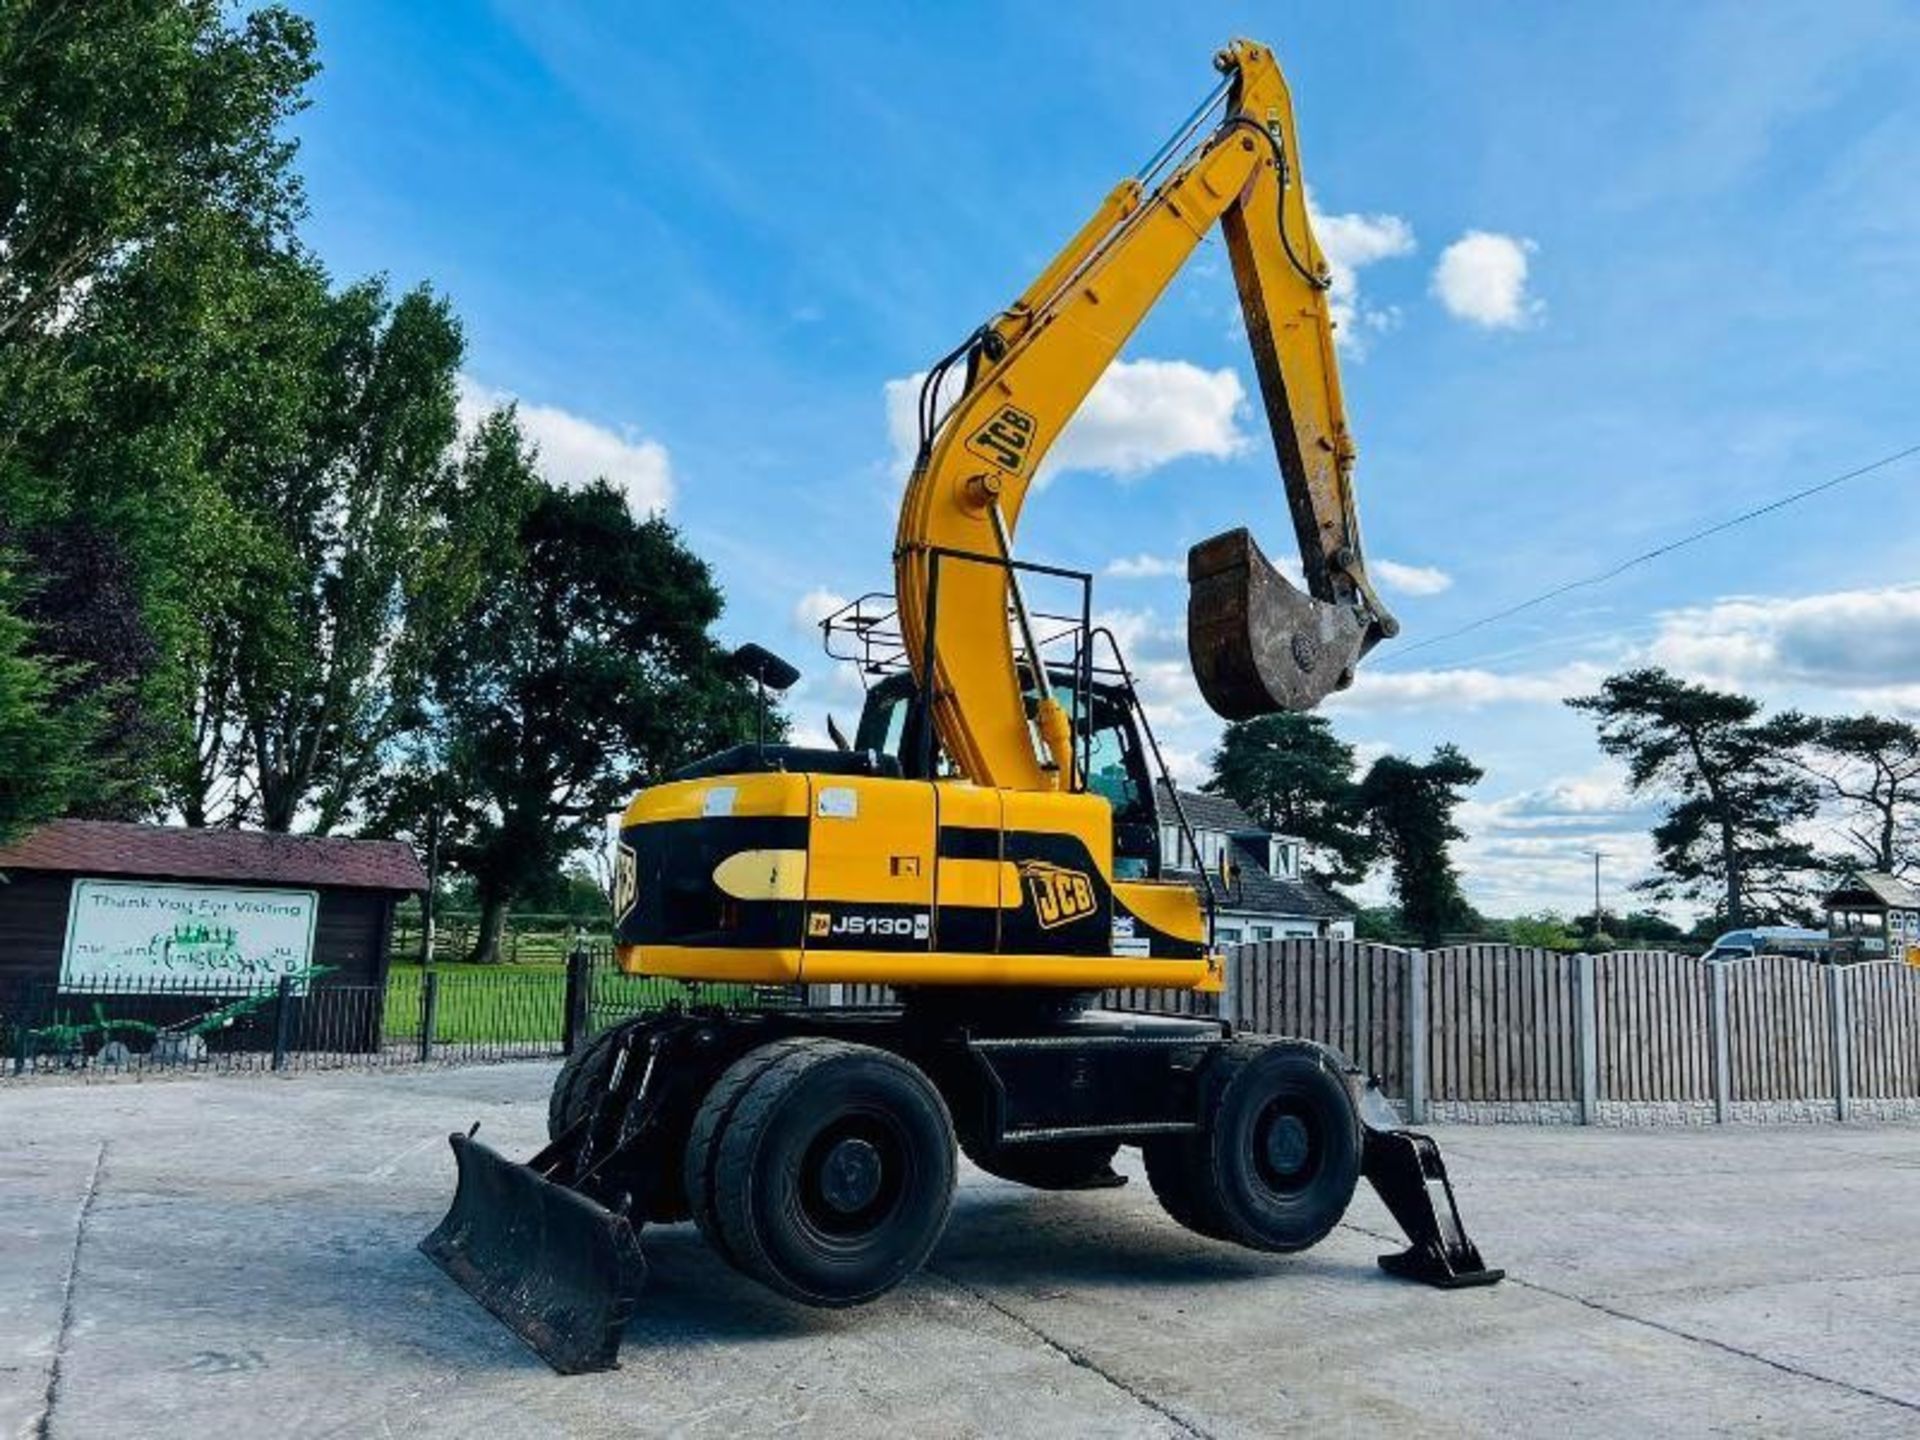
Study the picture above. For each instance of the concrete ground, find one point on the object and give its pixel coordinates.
(234, 1257)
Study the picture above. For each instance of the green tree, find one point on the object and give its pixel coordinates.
(1410, 806)
(43, 742)
(1636, 928)
(1868, 766)
(143, 177)
(1291, 773)
(585, 670)
(1734, 792)
(367, 544)
(1547, 930)
(122, 119)
(81, 621)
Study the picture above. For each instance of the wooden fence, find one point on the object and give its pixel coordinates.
(1496, 1024)
(1499, 1023)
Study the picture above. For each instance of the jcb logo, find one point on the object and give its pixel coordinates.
(1059, 895)
(1006, 440)
(626, 881)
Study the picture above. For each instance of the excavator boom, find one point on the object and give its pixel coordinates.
(1258, 643)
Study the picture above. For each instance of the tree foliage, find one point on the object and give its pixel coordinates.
(250, 573)
(583, 671)
(43, 741)
(1409, 807)
(122, 120)
(144, 181)
(1292, 774)
(1734, 793)
(365, 543)
(1868, 768)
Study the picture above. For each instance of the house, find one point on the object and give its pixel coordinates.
(1266, 897)
(1876, 916)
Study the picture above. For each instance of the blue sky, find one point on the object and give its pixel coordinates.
(1609, 272)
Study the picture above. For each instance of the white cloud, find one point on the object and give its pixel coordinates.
(1482, 279)
(1864, 642)
(1352, 242)
(575, 451)
(814, 606)
(1144, 567)
(1533, 850)
(1142, 414)
(1464, 688)
(1411, 579)
(1844, 647)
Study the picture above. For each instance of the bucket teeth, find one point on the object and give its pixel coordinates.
(560, 1271)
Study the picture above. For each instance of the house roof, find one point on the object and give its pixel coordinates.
(111, 847)
(1871, 888)
(1254, 890)
(1204, 811)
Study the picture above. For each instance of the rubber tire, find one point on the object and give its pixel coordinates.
(1212, 1183)
(584, 1071)
(1049, 1165)
(702, 1155)
(753, 1192)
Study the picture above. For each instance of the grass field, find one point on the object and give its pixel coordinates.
(523, 1004)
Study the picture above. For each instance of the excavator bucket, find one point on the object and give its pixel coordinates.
(1406, 1171)
(562, 1272)
(1258, 644)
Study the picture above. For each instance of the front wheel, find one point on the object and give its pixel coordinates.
(830, 1173)
(1275, 1165)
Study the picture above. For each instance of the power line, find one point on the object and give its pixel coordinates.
(1643, 558)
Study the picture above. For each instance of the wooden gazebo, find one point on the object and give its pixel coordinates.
(1875, 916)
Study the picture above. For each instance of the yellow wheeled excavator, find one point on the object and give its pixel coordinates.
(987, 846)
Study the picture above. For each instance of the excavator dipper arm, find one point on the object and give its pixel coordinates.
(1258, 644)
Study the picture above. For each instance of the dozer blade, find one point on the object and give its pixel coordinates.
(558, 1270)
(1407, 1172)
(1257, 643)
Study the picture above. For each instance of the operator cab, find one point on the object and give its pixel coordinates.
(1106, 743)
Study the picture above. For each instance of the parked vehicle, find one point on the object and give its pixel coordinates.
(1772, 940)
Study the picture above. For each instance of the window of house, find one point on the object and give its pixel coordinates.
(1263, 932)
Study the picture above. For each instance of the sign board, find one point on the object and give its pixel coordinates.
(122, 931)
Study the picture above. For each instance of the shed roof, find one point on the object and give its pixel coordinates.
(1871, 888)
(111, 847)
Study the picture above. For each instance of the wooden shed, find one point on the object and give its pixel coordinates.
(1876, 916)
(101, 906)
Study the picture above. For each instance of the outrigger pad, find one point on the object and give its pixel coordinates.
(560, 1271)
(1258, 644)
(1406, 1170)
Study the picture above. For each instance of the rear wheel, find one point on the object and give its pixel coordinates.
(1052, 1165)
(1276, 1164)
(828, 1172)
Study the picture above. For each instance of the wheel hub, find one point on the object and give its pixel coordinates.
(1287, 1146)
(850, 1175)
